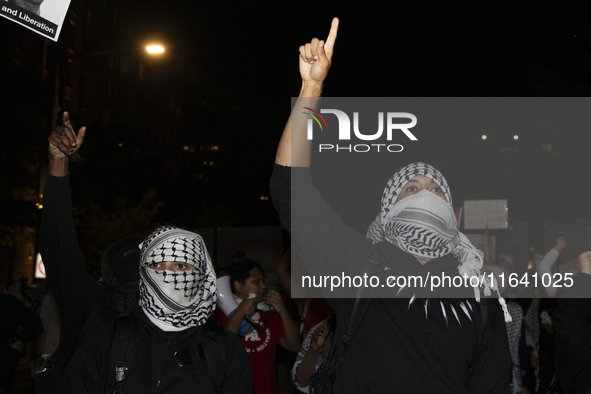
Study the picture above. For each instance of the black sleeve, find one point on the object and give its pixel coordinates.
(88, 370)
(280, 186)
(327, 245)
(494, 360)
(572, 338)
(238, 378)
(75, 291)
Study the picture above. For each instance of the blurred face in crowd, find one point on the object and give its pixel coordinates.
(253, 284)
(419, 183)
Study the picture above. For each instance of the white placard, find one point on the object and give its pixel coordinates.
(39, 267)
(480, 214)
(45, 18)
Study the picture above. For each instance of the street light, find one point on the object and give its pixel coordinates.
(151, 49)
(155, 49)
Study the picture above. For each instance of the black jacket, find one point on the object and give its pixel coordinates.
(572, 337)
(155, 368)
(454, 345)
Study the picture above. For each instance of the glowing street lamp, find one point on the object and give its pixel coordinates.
(151, 49)
(155, 49)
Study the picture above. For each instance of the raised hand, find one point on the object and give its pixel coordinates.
(274, 299)
(316, 56)
(63, 141)
(318, 338)
(560, 244)
(247, 307)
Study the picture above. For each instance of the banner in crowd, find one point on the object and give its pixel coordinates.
(43, 17)
(480, 214)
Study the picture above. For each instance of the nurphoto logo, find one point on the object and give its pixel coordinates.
(344, 132)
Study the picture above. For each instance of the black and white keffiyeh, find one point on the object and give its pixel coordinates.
(424, 225)
(174, 300)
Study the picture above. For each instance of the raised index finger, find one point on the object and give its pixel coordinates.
(66, 120)
(332, 36)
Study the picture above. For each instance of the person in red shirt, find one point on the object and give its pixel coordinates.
(272, 323)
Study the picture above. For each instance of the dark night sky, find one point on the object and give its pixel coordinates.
(243, 55)
(248, 54)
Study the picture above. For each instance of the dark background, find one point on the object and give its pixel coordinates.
(227, 78)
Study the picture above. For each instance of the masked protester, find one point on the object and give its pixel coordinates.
(177, 297)
(84, 302)
(406, 338)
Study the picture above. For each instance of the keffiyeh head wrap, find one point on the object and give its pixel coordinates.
(424, 225)
(176, 300)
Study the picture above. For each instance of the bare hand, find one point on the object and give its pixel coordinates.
(63, 141)
(318, 339)
(560, 244)
(316, 56)
(274, 299)
(247, 307)
(585, 262)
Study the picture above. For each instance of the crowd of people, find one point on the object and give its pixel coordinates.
(147, 322)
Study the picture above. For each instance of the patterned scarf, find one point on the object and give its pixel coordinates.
(424, 225)
(175, 301)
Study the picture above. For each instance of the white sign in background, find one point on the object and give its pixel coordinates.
(45, 19)
(480, 214)
(480, 242)
(39, 267)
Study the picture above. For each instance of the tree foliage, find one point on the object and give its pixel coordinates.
(99, 227)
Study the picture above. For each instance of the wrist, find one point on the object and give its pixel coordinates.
(311, 89)
(239, 315)
(58, 167)
(281, 311)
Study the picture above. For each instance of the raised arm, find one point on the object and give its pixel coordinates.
(63, 259)
(291, 336)
(315, 60)
(326, 243)
(548, 262)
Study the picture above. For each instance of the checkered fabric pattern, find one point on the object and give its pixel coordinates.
(176, 300)
(424, 228)
(424, 225)
(513, 335)
(405, 174)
